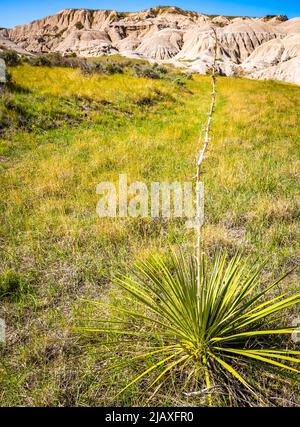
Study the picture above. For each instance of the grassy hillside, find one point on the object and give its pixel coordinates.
(61, 134)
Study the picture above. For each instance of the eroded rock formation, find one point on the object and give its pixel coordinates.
(266, 47)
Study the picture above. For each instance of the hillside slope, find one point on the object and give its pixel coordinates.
(61, 134)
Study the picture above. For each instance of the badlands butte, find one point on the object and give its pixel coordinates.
(260, 48)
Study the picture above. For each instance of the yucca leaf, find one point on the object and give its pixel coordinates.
(259, 357)
(254, 334)
(147, 371)
(232, 371)
(169, 367)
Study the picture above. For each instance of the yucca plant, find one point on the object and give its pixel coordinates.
(211, 338)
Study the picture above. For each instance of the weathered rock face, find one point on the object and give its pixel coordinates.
(288, 71)
(221, 21)
(48, 34)
(167, 34)
(162, 45)
(291, 26)
(5, 44)
(235, 42)
(273, 53)
(60, 31)
(87, 43)
(2, 71)
(278, 60)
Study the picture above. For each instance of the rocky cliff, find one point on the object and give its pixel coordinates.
(259, 47)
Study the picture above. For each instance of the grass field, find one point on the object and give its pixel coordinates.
(61, 134)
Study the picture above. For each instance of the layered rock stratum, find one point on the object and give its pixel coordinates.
(6, 44)
(263, 48)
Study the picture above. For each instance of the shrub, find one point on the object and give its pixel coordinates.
(86, 67)
(108, 68)
(40, 61)
(160, 69)
(10, 57)
(156, 71)
(57, 60)
(147, 71)
(79, 25)
(113, 68)
(206, 341)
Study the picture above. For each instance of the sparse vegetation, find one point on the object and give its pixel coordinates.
(105, 65)
(61, 134)
(10, 57)
(115, 65)
(172, 10)
(79, 25)
(281, 18)
(53, 60)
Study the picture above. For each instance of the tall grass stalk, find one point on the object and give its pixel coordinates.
(199, 185)
(199, 160)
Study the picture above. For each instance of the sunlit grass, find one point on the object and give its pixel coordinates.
(64, 133)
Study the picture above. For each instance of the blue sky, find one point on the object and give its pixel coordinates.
(15, 12)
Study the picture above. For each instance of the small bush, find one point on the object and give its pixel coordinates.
(157, 71)
(148, 72)
(108, 68)
(113, 68)
(10, 57)
(79, 25)
(86, 67)
(40, 61)
(160, 69)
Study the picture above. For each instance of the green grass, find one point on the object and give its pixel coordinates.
(62, 133)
